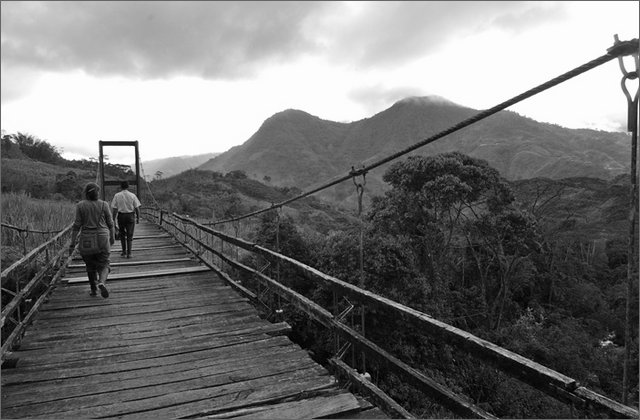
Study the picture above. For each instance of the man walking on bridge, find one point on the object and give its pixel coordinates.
(125, 206)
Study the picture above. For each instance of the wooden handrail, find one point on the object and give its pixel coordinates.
(20, 295)
(4, 276)
(553, 383)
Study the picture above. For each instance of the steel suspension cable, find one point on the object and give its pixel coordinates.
(144, 179)
(619, 49)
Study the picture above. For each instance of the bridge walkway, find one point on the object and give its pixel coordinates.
(171, 341)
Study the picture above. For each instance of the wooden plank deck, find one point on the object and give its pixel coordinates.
(171, 341)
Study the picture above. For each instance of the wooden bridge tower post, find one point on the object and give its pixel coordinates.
(135, 181)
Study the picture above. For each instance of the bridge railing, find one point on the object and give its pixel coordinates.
(26, 285)
(216, 249)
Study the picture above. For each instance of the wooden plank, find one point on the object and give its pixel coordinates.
(156, 273)
(68, 346)
(155, 317)
(138, 288)
(131, 362)
(117, 249)
(109, 369)
(123, 271)
(70, 338)
(136, 263)
(372, 413)
(123, 385)
(119, 297)
(329, 403)
(159, 235)
(254, 392)
(122, 297)
(42, 391)
(180, 279)
(142, 327)
(135, 352)
(154, 303)
(157, 400)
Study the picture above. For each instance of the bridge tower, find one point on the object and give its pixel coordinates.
(135, 181)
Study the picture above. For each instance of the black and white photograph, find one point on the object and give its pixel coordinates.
(319, 209)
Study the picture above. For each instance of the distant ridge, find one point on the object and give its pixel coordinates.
(295, 148)
(174, 165)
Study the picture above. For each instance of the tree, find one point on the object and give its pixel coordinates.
(429, 198)
(36, 149)
(501, 244)
(236, 174)
(68, 186)
(452, 207)
(158, 176)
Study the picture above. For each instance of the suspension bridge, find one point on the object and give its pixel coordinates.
(191, 330)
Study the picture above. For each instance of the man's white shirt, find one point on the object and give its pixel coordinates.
(125, 202)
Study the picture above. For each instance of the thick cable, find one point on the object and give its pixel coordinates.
(147, 185)
(621, 48)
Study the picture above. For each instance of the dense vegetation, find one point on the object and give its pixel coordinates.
(450, 239)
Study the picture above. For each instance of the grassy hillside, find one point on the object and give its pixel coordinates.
(44, 180)
(214, 196)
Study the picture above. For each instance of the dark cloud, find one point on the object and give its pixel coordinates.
(389, 33)
(233, 39)
(229, 40)
(156, 38)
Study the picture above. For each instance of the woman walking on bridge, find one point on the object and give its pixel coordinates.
(95, 224)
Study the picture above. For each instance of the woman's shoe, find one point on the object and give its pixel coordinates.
(103, 291)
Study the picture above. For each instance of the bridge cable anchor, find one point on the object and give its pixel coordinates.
(632, 103)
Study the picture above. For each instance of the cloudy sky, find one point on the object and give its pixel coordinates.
(186, 78)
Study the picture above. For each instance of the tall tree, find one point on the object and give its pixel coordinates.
(451, 207)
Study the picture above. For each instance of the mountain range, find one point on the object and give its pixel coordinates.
(174, 165)
(295, 148)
